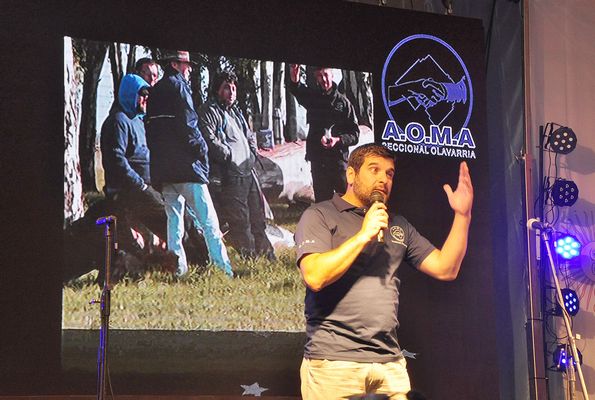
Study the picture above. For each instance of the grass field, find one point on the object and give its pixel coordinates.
(263, 296)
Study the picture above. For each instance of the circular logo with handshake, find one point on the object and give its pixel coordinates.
(424, 80)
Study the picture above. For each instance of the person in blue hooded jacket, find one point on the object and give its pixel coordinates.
(126, 162)
(179, 161)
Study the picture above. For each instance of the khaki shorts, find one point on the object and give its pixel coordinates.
(328, 380)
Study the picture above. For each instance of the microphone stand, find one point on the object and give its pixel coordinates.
(110, 247)
(546, 237)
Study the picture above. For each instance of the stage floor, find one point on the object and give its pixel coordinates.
(142, 397)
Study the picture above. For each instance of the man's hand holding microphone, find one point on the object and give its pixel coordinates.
(376, 219)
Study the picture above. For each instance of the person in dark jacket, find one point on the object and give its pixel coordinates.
(333, 128)
(147, 69)
(126, 162)
(232, 155)
(179, 161)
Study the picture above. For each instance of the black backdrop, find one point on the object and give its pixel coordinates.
(451, 325)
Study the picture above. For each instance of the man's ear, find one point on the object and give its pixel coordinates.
(350, 173)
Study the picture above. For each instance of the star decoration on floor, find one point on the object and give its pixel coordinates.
(254, 389)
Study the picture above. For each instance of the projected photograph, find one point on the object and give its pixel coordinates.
(204, 162)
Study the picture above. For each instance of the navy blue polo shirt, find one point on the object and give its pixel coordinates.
(355, 318)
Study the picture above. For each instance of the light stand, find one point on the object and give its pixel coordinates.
(571, 377)
(110, 247)
(538, 382)
(546, 237)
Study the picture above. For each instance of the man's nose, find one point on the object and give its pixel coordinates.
(383, 177)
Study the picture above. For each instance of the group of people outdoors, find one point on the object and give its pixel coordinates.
(162, 157)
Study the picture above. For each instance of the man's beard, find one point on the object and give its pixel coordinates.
(362, 194)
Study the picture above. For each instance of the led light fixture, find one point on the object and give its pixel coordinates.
(564, 193)
(572, 303)
(567, 247)
(562, 140)
(562, 357)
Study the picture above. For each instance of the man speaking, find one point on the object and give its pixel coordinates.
(352, 289)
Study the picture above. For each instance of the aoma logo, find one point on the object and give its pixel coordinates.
(428, 97)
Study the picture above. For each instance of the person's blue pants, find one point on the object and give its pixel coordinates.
(199, 200)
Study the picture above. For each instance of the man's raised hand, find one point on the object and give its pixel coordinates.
(461, 200)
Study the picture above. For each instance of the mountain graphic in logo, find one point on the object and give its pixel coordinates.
(425, 81)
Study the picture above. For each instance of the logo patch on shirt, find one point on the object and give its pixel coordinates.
(397, 235)
(305, 242)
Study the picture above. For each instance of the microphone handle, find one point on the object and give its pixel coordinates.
(380, 237)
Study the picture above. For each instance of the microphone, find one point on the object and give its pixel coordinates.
(378, 197)
(105, 220)
(535, 224)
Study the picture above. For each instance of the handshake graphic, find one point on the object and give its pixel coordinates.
(427, 93)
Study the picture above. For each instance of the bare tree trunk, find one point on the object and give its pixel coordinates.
(364, 80)
(291, 134)
(131, 59)
(92, 56)
(200, 93)
(357, 86)
(278, 103)
(73, 187)
(212, 64)
(249, 89)
(116, 64)
(266, 89)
